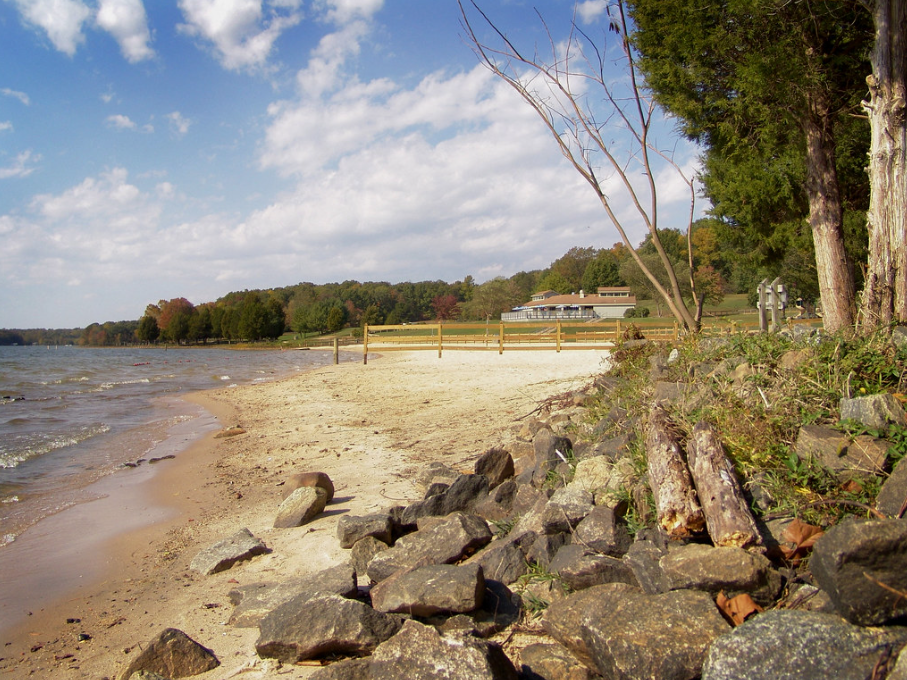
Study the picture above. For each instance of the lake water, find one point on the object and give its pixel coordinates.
(70, 416)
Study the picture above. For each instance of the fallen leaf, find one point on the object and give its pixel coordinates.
(738, 608)
(798, 539)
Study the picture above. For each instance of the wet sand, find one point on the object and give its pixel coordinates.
(369, 427)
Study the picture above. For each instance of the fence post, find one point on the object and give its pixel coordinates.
(365, 344)
(558, 332)
(501, 339)
(676, 332)
(617, 332)
(763, 318)
(336, 351)
(440, 343)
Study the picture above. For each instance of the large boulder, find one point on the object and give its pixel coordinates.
(309, 628)
(565, 509)
(173, 654)
(874, 412)
(255, 601)
(352, 528)
(496, 465)
(864, 456)
(893, 493)
(862, 565)
(454, 538)
(602, 531)
(301, 506)
(224, 554)
(797, 645)
(505, 559)
(552, 662)
(435, 589)
(302, 479)
(580, 568)
(462, 495)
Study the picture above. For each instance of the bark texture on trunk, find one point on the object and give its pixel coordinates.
(885, 292)
(676, 505)
(727, 514)
(836, 284)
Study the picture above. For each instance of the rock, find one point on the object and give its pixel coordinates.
(363, 552)
(644, 560)
(224, 554)
(146, 675)
(498, 505)
(592, 474)
(633, 635)
(796, 645)
(893, 493)
(300, 506)
(419, 652)
(504, 559)
(173, 654)
(458, 536)
(552, 662)
(603, 532)
(309, 628)
(856, 562)
(563, 620)
(732, 570)
(254, 602)
(463, 495)
(899, 340)
(308, 479)
(346, 669)
(496, 465)
(546, 446)
(581, 568)
(833, 449)
(545, 547)
(425, 591)
(500, 608)
(351, 528)
(874, 412)
(565, 509)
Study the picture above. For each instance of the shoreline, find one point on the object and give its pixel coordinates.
(369, 427)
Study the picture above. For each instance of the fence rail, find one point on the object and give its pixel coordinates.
(530, 336)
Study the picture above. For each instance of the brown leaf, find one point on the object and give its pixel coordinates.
(798, 539)
(739, 608)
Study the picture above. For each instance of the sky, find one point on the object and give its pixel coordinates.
(189, 148)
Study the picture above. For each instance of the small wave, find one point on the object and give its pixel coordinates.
(117, 383)
(47, 443)
(6, 539)
(224, 377)
(11, 499)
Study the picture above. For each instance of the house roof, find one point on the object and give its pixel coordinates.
(576, 300)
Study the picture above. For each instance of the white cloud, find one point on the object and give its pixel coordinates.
(21, 96)
(126, 21)
(62, 20)
(345, 11)
(590, 10)
(23, 166)
(120, 122)
(242, 32)
(178, 124)
(5, 125)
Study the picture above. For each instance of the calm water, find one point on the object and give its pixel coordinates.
(69, 416)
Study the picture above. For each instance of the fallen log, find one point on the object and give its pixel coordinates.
(676, 505)
(727, 514)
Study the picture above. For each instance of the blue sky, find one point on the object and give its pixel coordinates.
(189, 148)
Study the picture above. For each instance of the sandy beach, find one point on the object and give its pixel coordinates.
(370, 427)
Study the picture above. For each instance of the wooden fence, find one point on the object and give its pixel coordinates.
(530, 336)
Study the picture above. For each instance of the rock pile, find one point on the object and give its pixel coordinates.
(537, 539)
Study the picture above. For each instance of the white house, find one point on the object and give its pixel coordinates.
(610, 302)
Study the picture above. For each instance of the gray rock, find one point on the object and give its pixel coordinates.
(173, 654)
(224, 554)
(302, 505)
(796, 645)
(546, 446)
(732, 570)
(303, 479)
(254, 602)
(419, 652)
(452, 540)
(435, 589)
(351, 528)
(363, 552)
(496, 465)
(644, 560)
(875, 412)
(498, 505)
(899, 340)
(531, 518)
(435, 472)
(526, 498)
(893, 493)
(545, 547)
(566, 509)
(325, 624)
(147, 675)
(563, 620)
(346, 669)
(602, 531)
(856, 563)
(635, 636)
(504, 559)
(552, 662)
(581, 568)
(462, 495)
(862, 457)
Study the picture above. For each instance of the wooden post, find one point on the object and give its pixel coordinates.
(763, 318)
(558, 332)
(776, 304)
(440, 342)
(617, 332)
(336, 351)
(676, 332)
(365, 344)
(501, 339)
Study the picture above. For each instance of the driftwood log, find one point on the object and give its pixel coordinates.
(676, 505)
(727, 514)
